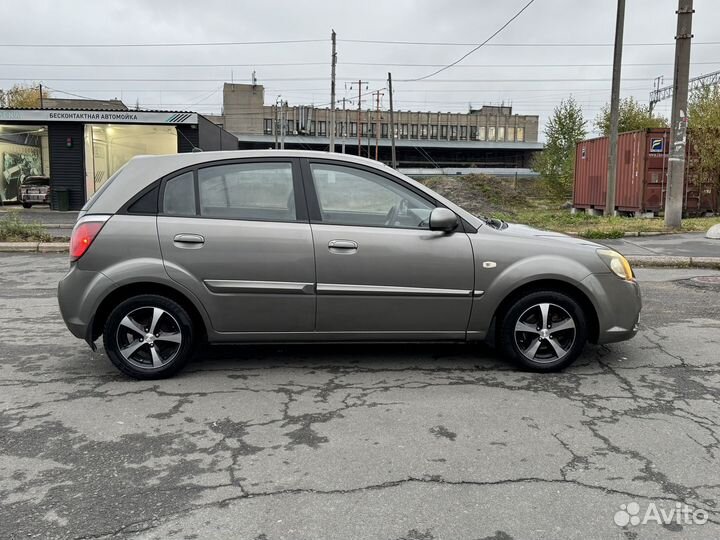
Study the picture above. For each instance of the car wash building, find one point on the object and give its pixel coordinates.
(79, 149)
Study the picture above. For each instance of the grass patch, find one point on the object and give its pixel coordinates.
(13, 229)
(480, 194)
(601, 226)
(597, 234)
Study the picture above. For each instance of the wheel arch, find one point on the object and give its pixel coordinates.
(554, 285)
(129, 290)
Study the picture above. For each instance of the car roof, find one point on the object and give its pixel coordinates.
(141, 171)
(195, 158)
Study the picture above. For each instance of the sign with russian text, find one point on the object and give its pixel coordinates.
(103, 117)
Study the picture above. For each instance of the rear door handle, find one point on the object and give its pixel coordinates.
(342, 246)
(187, 238)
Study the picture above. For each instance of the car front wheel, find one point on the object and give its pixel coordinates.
(543, 331)
(27, 205)
(149, 337)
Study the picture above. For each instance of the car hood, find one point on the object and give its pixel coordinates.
(519, 230)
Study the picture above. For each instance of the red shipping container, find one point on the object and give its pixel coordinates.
(641, 176)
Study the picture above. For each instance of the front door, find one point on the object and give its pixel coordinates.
(236, 234)
(381, 272)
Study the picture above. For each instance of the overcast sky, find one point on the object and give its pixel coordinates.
(531, 77)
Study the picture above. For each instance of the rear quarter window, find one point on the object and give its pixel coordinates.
(147, 204)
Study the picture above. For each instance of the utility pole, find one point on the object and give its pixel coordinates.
(346, 127)
(369, 117)
(377, 124)
(277, 127)
(332, 93)
(615, 111)
(393, 160)
(41, 97)
(275, 124)
(678, 122)
(283, 124)
(359, 125)
(359, 118)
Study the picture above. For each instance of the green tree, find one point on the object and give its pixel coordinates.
(704, 132)
(23, 96)
(633, 116)
(556, 163)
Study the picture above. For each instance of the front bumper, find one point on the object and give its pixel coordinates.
(618, 304)
(39, 198)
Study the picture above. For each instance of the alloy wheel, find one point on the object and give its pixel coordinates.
(149, 337)
(545, 333)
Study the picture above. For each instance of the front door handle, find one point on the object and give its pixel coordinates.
(187, 238)
(342, 246)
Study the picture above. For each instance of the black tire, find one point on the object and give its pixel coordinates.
(173, 323)
(27, 205)
(526, 312)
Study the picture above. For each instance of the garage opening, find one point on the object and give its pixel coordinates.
(23, 153)
(109, 146)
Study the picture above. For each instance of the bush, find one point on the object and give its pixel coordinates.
(13, 229)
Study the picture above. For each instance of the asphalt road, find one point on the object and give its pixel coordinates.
(386, 442)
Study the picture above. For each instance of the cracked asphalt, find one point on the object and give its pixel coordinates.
(388, 442)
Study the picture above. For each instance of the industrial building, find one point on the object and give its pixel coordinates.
(488, 137)
(80, 145)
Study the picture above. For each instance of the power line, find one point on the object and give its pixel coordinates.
(200, 100)
(635, 64)
(291, 79)
(457, 44)
(262, 64)
(198, 44)
(372, 64)
(463, 57)
(525, 91)
(68, 93)
(324, 40)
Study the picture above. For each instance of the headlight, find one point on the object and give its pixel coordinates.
(617, 263)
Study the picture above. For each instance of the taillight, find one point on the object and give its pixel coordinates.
(82, 237)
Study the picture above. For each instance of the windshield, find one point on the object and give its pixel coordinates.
(36, 181)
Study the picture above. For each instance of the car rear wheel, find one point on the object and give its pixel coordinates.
(27, 205)
(149, 337)
(543, 331)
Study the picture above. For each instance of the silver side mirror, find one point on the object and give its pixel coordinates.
(442, 219)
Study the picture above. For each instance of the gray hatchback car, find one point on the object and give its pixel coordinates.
(292, 246)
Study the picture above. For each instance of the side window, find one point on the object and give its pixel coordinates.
(179, 195)
(349, 196)
(252, 191)
(147, 204)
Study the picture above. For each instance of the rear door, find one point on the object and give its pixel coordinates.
(381, 272)
(236, 234)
